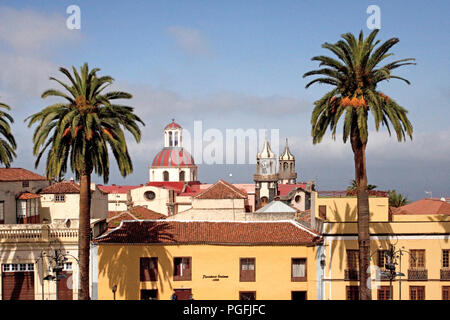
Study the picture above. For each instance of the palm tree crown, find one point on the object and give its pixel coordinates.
(7, 143)
(80, 130)
(355, 75)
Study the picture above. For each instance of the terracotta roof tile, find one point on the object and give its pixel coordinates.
(207, 232)
(28, 195)
(284, 189)
(424, 206)
(135, 213)
(61, 188)
(222, 190)
(19, 174)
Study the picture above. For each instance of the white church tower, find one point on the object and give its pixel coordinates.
(173, 163)
(266, 177)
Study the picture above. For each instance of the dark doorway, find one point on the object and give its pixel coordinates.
(298, 295)
(247, 295)
(183, 294)
(149, 294)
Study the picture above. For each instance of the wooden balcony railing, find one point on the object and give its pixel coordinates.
(417, 274)
(351, 274)
(445, 274)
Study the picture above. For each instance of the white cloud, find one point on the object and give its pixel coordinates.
(191, 40)
(151, 102)
(28, 39)
(27, 30)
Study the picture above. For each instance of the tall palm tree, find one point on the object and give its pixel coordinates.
(397, 199)
(7, 143)
(79, 131)
(354, 75)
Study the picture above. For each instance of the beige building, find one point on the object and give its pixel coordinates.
(419, 233)
(39, 236)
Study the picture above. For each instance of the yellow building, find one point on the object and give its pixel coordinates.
(153, 259)
(420, 229)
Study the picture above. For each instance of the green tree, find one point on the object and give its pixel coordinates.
(354, 75)
(353, 186)
(79, 131)
(397, 199)
(7, 143)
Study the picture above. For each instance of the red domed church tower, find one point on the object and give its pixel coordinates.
(173, 163)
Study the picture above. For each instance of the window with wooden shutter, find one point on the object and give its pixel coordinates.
(417, 259)
(352, 293)
(416, 293)
(182, 270)
(149, 269)
(323, 212)
(384, 293)
(445, 258)
(298, 272)
(446, 293)
(247, 269)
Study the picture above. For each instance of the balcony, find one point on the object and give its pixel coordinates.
(351, 274)
(265, 178)
(37, 233)
(445, 274)
(417, 274)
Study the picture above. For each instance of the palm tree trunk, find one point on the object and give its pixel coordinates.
(84, 234)
(359, 151)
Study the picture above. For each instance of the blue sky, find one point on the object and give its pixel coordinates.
(238, 64)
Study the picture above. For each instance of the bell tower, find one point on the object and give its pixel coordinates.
(287, 174)
(266, 177)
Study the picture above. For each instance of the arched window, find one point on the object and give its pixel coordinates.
(166, 176)
(264, 201)
(175, 139)
(292, 167)
(285, 166)
(182, 175)
(170, 139)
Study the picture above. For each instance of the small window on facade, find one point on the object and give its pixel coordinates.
(352, 293)
(417, 259)
(384, 293)
(149, 269)
(2, 212)
(247, 295)
(445, 258)
(298, 198)
(353, 259)
(182, 269)
(166, 176)
(416, 293)
(446, 293)
(149, 195)
(298, 269)
(247, 269)
(25, 184)
(323, 212)
(382, 258)
(182, 174)
(60, 197)
(21, 210)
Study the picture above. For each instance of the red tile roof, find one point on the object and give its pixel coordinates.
(222, 190)
(116, 189)
(135, 213)
(173, 157)
(28, 195)
(19, 174)
(61, 188)
(207, 232)
(424, 206)
(284, 189)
